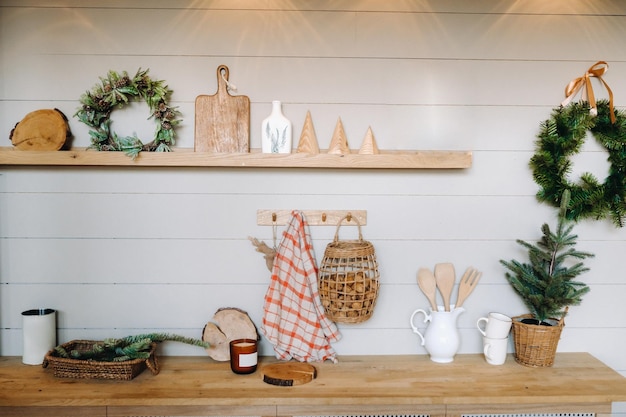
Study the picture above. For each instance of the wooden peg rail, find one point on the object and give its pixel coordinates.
(313, 217)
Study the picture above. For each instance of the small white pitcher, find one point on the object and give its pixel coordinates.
(441, 339)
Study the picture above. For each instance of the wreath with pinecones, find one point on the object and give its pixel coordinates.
(559, 139)
(117, 90)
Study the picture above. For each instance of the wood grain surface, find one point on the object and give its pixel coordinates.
(575, 379)
(186, 157)
(41, 130)
(289, 374)
(222, 120)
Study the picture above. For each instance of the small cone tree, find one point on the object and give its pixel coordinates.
(547, 283)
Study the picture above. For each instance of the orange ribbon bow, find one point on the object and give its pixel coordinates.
(596, 70)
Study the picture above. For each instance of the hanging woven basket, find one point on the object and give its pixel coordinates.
(348, 278)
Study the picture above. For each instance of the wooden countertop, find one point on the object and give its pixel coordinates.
(575, 378)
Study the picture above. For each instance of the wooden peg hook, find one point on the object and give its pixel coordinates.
(314, 217)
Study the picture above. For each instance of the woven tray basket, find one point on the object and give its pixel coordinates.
(349, 278)
(91, 369)
(535, 346)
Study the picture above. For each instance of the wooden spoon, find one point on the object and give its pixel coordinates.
(445, 277)
(467, 284)
(428, 285)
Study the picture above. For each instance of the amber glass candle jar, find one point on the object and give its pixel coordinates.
(243, 356)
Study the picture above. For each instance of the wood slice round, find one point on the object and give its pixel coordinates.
(288, 374)
(41, 130)
(229, 323)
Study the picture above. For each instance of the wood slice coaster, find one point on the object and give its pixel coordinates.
(41, 130)
(288, 374)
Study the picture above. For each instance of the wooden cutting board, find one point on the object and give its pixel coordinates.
(222, 121)
(288, 374)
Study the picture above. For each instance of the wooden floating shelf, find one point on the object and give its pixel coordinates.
(255, 159)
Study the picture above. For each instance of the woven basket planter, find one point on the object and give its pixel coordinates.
(91, 369)
(535, 345)
(349, 279)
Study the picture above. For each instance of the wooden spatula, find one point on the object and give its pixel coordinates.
(467, 284)
(428, 285)
(445, 277)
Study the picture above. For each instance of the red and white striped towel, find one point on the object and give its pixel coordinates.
(294, 320)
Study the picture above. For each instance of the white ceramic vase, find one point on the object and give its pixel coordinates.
(276, 131)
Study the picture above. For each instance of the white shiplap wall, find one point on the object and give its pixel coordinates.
(123, 251)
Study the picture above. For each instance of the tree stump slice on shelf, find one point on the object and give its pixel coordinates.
(41, 130)
(228, 324)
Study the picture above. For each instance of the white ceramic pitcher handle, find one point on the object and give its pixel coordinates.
(415, 329)
(486, 320)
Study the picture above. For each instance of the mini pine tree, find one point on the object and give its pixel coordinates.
(546, 284)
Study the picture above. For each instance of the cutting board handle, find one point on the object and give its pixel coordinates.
(222, 80)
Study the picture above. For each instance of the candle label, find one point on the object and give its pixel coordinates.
(247, 359)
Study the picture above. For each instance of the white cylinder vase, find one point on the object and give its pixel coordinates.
(40, 334)
(276, 131)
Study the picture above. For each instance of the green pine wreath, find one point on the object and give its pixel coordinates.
(115, 91)
(559, 139)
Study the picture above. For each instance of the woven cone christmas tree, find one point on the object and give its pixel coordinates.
(308, 138)
(369, 146)
(339, 142)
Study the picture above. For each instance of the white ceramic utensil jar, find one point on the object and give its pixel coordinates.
(39, 333)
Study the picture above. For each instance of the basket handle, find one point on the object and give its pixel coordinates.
(562, 319)
(153, 364)
(348, 217)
